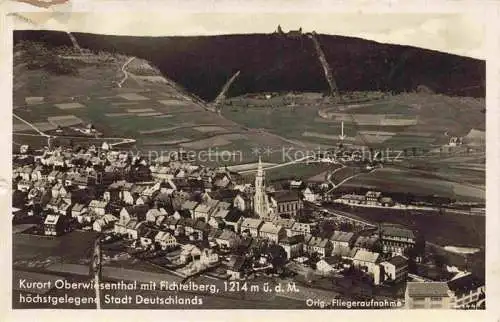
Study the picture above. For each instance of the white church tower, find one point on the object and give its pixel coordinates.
(260, 198)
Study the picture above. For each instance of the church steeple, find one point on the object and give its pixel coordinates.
(261, 201)
(260, 171)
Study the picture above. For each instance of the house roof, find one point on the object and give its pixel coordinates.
(109, 218)
(203, 208)
(105, 220)
(366, 241)
(373, 194)
(301, 226)
(285, 223)
(138, 189)
(51, 219)
(285, 196)
(398, 261)
(160, 219)
(270, 228)
(224, 194)
(221, 214)
(353, 197)
(64, 206)
(292, 240)
(251, 223)
(366, 256)
(156, 212)
(343, 251)
(78, 207)
(214, 233)
(233, 215)
(352, 252)
(98, 204)
(223, 205)
(391, 230)
(427, 289)
(331, 260)
(201, 225)
(318, 242)
(342, 236)
(227, 235)
(189, 204)
(132, 224)
(55, 201)
(160, 235)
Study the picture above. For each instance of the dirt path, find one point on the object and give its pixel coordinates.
(31, 125)
(125, 74)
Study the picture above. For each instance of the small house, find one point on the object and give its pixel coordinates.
(233, 219)
(272, 232)
(54, 225)
(252, 226)
(105, 222)
(235, 267)
(154, 213)
(227, 240)
(395, 269)
(328, 264)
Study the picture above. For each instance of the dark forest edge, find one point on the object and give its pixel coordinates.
(273, 63)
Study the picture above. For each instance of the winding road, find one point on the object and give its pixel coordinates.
(125, 74)
(278, 165)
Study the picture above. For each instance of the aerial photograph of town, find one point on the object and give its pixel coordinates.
(290, 169)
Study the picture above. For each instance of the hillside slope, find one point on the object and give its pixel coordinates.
(269, 62)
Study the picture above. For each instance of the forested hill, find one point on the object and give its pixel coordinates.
(272, 62)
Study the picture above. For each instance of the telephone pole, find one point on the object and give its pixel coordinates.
(95, 270)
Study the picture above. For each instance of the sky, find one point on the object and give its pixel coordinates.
(457, 33)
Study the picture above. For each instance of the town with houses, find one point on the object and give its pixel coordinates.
(194, 220)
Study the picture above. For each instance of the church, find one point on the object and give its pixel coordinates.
(280, 204)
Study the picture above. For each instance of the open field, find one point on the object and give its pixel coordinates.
(158, 111)
(296, 171)
(407, 181)
(23, 127)
(207, 129)
(69, 248)
(249, 166)
(219, 140)
(116, 114)
(147, 114)
(69, 106)
(411, 117)
(65, 120)
(133, 97)
(140, 110)
(441, 229)
(160, 142)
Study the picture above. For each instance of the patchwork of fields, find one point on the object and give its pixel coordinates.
(399, 122)
(162, 116)
(158, 116)
(418, 183)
